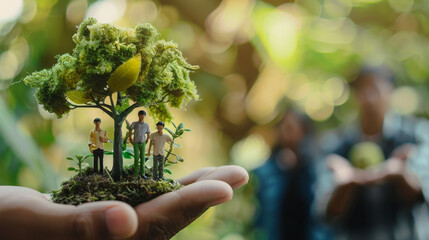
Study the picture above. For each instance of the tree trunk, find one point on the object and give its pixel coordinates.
(118, 162)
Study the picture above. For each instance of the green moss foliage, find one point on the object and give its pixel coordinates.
(91, 187)
(102, 48)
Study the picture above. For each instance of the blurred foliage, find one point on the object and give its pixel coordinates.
(255, 57)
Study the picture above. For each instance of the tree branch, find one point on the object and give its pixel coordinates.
(129, 110)
(74, 106)
(111, 114)
(119, 99)
(105, 105)
(160, 101)
(82, 106)
(112, 104)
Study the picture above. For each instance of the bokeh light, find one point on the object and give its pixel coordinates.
(107, 11)
(10, 10)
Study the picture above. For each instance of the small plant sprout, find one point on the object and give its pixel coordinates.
(177, 133)
(80, 162)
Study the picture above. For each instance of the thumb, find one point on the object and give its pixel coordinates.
(102, 220)
(29, 215)
(166, 215)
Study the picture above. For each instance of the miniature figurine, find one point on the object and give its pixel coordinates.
(158, 140)
(97, 138)
(117, 70)
(141, 137)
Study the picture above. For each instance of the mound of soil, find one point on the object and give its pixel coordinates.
(92, 187)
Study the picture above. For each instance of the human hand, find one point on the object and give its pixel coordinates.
(346, 179)
(27, 214)
(390, 170)
(344, 173)
(403, 151)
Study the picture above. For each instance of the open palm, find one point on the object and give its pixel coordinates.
(28, 214)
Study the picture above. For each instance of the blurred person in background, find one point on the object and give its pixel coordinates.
(284, 183)
(372, 187)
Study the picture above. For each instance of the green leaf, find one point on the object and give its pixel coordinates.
(127, 154)
(78, 96)
(180, 159)
(78, 157)
(168, 130)
(71, 169)
(187, 129)
(70, 159)
(173, 154)
(181, 125)
(167, 171)
(125, 75)
(174, 124)
(176, 145)
(171, 161)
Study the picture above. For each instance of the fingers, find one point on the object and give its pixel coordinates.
(235, 176)
(166, 215)
(337, 163)
(26, 214)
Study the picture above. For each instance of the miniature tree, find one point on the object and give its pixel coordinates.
(131, 64)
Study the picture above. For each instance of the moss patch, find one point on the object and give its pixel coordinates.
(91, 187)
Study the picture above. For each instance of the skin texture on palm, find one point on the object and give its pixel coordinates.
(27, 214)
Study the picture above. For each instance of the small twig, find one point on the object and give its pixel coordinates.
(108, 174)
(111, 102)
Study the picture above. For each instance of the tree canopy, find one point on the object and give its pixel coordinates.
(134, 61)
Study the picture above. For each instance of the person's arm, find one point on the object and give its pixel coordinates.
(346, 180)
(147, 137)
(106, 138)
(147, 133)
(130, 132)
(150, 146)
(90, 141)
(28, 214)
(406, 181)
(397, 170)
(418, 165)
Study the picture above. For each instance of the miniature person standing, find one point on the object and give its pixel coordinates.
(141, 136)
(97, 138)
(158, 140)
